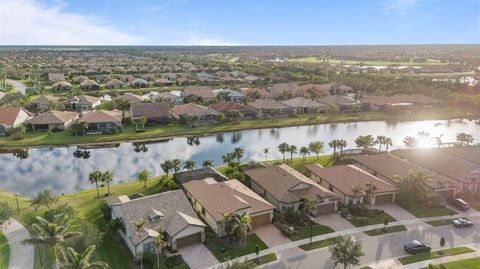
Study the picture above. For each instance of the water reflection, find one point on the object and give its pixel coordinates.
(65, 170)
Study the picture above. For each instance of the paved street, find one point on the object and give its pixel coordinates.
(19, 87)
(21, 255)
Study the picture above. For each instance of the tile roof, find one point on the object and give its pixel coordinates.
(266, 104)
(45, 100)
(192, 109)
(229, 106)
(203, 92)
(150, 110)
(85, 99)
(301, 102)
(8, 115)
(130, 98)
(100, 116)
(53, 117)
(471, 154)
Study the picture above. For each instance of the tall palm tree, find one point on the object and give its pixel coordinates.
(95, 177)
(139, 227)
(371, 187)
(82, 260)
(266, 151)
(51, 234)
(380, 140)
(238, 153)
(334, 144)
(228, 158)
(190, 165)
(342, 144)
(241, 226)
(167, 166)
(356, 191)
(304, 151)
(283, 148)
(307, 207)
(107, 177)
(293, 150)
(159, 245)
(388, 143)
(176, 165)
(236, 116)
(207, 163)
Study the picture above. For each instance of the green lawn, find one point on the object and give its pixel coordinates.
(224, 250)
(304, 231)
(319, 244)
(392, 229)
(299, 163)
(366, 267)
(440, 222)
(434, 255)
(420, 211)
(266, 259)
(4, 252)
(473, 263)
(152, 133)
(371, 220)
(115, 254)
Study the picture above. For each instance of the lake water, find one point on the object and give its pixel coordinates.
(58, 171)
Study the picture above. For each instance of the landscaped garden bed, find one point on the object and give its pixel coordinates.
(386, 230)
(224, 249)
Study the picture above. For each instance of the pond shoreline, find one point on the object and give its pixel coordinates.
(275, 124)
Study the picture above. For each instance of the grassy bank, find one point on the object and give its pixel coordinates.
(4, 252)
(392, 229)
(129, 133)
(319, 244)
(473, 263)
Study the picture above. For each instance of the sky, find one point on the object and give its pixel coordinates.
(238, 22)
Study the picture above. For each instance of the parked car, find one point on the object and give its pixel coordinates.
(416, 246)
(462, 223)
(461, 204)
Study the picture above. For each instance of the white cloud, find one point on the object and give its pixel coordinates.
(27, 22)
(401, 7)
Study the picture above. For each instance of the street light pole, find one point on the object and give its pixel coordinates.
(311, 230)
(18, 207)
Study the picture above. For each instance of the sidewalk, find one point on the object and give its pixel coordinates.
(21, 255)
(358, 230)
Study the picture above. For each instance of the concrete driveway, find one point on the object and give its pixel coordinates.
(334, 221)
(396, 211)
(273, 237)
(197, 256)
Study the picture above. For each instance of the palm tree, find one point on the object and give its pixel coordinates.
(356, 190)
(79, 126)
(53, 235)
(465, 138)
(380, 140)
(139, 121)
(107, 177)
(371, 188)
(316, 147)
(266, 151)
(139, 227)
(238, 153)
(82, 260)
(190, 165)
(241, 226)
(388, 143)
(365, 141)
(166, 166)
(176, 165)
(19, 131)
(438, 140)
(307, 207)
(95, 177)
(283, 148)
(423, 134)
(334, 144)
(304, 151)
(342, 144)
(228, 158)
(207, 163)
(236, 116)
(410, 141)
(144, 176)
(293, 150)
(415, 182)
(159, 245)
(114, 226)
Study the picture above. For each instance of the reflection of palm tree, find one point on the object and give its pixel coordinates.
(423, 134)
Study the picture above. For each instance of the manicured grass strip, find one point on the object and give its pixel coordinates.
(320, 244)
(359, 221)
(440, 222)
(421, 211)
(4, 252)
(266, 259)
(366, 267)
(434, 255)
(299, 163)
(473, 263)
(392, 229)
(304, 231)
(223, 251)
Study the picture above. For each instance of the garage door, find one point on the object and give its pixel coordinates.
(383, 198)
(325, 208)
(447, 194)
(260, 220)
(188, 240)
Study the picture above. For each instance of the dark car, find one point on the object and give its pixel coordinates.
(416, 246)
(462, 223)
(461, 204)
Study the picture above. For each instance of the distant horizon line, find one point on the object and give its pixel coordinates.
(330, 45)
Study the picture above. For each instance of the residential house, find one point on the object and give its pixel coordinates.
(114, 84)
(228, 108)
(167, 211)
(269, 107)
(84, 102)
(43, 102)
(256, 93)
(56, 77)
(198, 174)
(391, 168)
(419, 100)
(164, 82)
(471, 154)
(140, 83)
(353, 185)
(103, 121)
(52, 120)
(385, 103)
(130, 98)
(465, 172)
(187, 111)
(303, 105)
(169, 97)
(200, 94)
(341, 103)
(62, 86)
(252, 79)
(12, 117)
(213, 200)
(230, 95)
(155, 113)
(284, 187)
(89, 85)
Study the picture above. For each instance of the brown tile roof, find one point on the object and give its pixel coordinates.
(345, 177)
(220, 198)
(380, 100)
(301, 102)
(392, 167)
(192, 109)
(417, 99)
(266, 104)
(45, 100)
(203, 92)
(130, 98)
(100, 116)
(8, 115)
(336, 100)
(150, 110)
(52, 117)
(279, 181)
(471, 154)
(229, 106)
(85, 99)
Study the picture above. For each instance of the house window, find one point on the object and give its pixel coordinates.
(330, 187)
(149, 247)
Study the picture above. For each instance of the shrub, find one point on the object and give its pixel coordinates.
(286, 231)
(173, 261)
